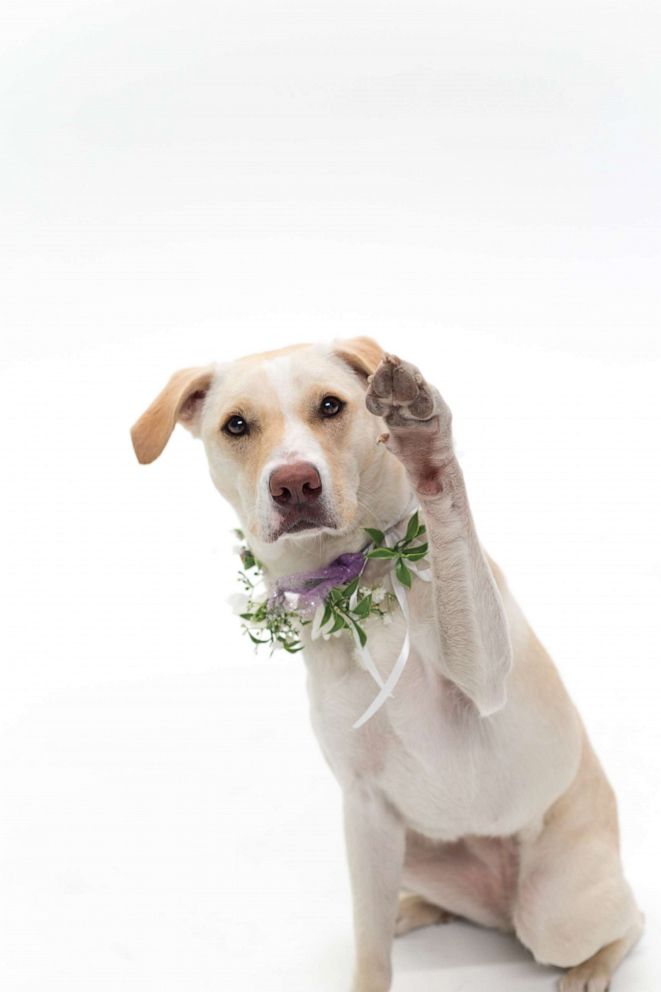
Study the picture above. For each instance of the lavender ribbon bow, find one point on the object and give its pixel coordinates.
(313, 587)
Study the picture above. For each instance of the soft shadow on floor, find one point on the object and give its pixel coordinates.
(461, 957)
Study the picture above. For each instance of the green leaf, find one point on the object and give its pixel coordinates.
(362, 609)
(340, 622)
(350, 588)
(415, 554)
(402, 573)
(328, 613)
(377, 535)
(417, 549)
(413, 527)
(362, 636)
(382, 553)
(256, 640)
(292, 648)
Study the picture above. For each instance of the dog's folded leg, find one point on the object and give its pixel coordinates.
(375, 839)
(475, 651)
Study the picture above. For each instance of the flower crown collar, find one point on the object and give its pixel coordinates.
(333, 600)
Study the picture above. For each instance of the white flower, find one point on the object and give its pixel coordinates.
(239, 602)
(259, 593)
(378, 595)
(291, 600)
(387, 618)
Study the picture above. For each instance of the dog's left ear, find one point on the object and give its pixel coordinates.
(363, 355)
(181, 402)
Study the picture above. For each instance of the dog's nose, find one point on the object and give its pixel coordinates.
(294, 484)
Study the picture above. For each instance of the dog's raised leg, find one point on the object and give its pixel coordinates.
(475, 649)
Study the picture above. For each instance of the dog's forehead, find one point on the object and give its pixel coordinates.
(290, 375)
(279, 375)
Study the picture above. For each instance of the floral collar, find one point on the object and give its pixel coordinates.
(333, 600)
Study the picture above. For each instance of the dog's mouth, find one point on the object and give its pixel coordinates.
(300, 521)
(300, 525)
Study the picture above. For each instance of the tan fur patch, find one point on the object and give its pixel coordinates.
(362, 354)
(265, 356)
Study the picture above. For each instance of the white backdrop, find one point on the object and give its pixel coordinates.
(475, 185)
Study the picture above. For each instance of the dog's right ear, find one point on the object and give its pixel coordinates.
(180, 402)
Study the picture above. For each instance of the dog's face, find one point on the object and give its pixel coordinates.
(287, 436)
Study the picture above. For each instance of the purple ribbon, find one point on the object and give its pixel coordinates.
(313, 587)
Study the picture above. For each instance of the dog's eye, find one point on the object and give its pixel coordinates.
(236, 426)
(330, 406)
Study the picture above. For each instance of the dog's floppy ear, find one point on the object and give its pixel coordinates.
(363, 355)
(180, 402)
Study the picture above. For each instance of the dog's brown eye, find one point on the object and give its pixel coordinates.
(330, 406)
(236, 426)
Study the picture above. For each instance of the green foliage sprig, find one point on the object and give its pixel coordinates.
(278, 627)
(403, 551)
(346, 607)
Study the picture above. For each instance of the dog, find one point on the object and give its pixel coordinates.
(474, 790)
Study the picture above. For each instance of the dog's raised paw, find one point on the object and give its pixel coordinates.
(418, 420)
(398, 392)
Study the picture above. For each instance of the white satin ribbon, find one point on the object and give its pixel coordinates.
(386, 688)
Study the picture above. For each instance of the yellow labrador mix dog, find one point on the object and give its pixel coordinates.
(474, 790)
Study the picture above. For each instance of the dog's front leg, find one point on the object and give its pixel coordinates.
(376, 840)
(475, 651)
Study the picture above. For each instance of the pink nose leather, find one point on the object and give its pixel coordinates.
(291, 485)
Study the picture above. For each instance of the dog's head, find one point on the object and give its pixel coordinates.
(289, 441)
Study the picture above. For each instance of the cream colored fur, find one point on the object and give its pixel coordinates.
(475, 787)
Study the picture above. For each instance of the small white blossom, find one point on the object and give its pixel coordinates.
(378, 594)
(259, 592)
(239, 602)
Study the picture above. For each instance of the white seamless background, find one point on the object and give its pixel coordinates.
(474, 185)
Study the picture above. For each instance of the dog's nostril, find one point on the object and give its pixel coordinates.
(299, 482)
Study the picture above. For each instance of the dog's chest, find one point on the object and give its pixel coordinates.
(425, 749)
(446, 770)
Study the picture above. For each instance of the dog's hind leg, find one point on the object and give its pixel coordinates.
(574, 908)
(416, 912)
(595, 974)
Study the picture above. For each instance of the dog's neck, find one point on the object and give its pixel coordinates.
(395, 502)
